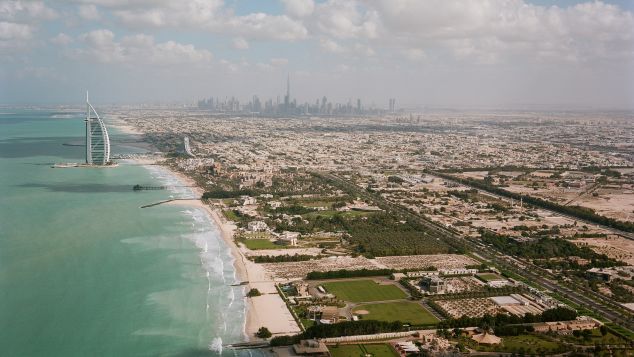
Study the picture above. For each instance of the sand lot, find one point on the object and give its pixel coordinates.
(613, 246)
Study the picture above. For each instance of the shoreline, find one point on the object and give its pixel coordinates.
(266, 310)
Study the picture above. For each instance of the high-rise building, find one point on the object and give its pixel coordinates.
(97, 140)
(287, 98)
(392, 108)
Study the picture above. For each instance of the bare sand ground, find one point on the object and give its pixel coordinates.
(613, 246)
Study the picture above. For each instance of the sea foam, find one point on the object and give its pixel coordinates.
(222, 309)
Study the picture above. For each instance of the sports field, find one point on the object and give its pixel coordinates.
(377, 350)
(255, 244)
(363, 291)
(404, 311)
(489, 276)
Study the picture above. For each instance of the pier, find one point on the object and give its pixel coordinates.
(167, 201)
(147, 188)
(247, 345)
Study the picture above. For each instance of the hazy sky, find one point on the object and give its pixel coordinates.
(494, 53)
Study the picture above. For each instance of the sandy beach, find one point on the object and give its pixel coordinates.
(122, 126)
(267, 310)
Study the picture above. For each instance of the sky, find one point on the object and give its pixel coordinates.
(425, 53)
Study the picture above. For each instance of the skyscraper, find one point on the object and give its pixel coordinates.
(97, 140)
(392, 108)
(287, 98)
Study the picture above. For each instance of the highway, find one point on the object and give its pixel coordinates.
(619, 232)
(603, 307)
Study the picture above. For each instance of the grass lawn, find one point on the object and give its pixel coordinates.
(376, 350)
(363, 291)
(596, 337)
(255, 244)
(489, 276)
(621, 330)
(230, 215)
(307, 323)
(405, 311)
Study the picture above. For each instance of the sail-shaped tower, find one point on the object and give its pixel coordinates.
(97, 140)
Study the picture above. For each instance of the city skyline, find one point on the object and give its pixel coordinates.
(293, 106)
(505, 54)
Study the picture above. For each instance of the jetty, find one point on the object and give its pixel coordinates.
(248, 345)
(166, 201)
(242, 283)
(148, 188)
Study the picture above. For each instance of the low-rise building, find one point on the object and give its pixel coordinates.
(257, 226)
(434, 284)
(566, 327)
(311, 348)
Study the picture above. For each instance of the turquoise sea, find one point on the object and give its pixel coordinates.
(84, 271)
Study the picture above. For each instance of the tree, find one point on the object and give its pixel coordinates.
(263, 332)
(603, 330)
(253, 292)
(587, 335)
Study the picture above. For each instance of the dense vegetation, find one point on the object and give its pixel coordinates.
(219, 193)
(263, 332)
(546, 248)
(384, 234)
(348, 328)
(294, 210)
(343, 273)
(575, 211)
(376, 234)
(501, 320)
(603, 171)
(254, 292)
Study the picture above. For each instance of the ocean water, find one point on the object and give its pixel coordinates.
(84, 271)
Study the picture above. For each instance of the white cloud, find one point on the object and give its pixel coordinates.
(240, 43)
(210, 15)
(499, 28)
(345, 19)
(14, 37)
(10, 31)
(230, 66)
(19, 21)
(62, 39)
(88, 12)
(299, 8)
(25, 11)
(263, 26)
(100, 45)
(329, 45)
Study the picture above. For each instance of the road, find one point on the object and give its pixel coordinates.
(608, 310)
(619, 232)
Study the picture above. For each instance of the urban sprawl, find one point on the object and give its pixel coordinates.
(366, 231)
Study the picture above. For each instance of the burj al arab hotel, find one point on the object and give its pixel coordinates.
(97, 140)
